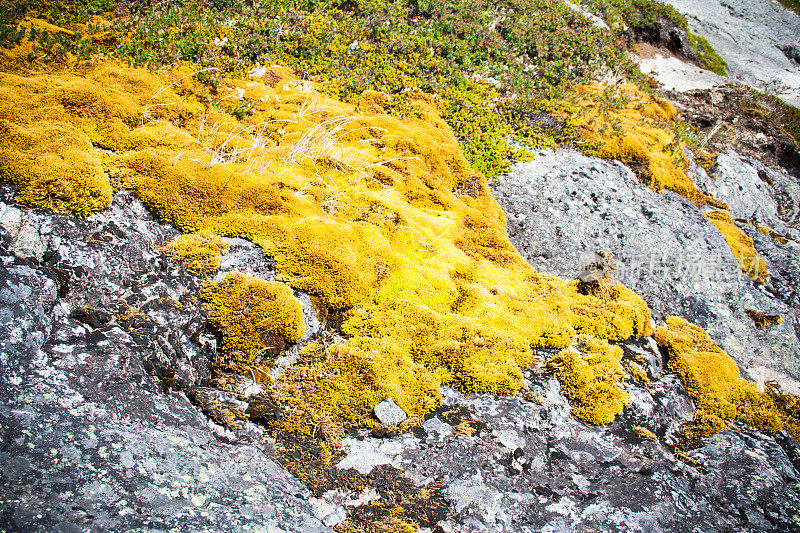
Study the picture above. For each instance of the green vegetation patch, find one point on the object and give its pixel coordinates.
(491, 66)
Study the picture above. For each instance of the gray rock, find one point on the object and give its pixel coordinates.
(738, 183)
(752, 36)
(93, 440)
(389, 413)
(530, 467)
(783, 265)
(562, 207)
(25, 240)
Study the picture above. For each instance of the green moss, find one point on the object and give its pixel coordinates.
(635, 14)
(591, 376)
(793, 5)
(200, 252)
(712, 379)
(257, 319)
(708, 56)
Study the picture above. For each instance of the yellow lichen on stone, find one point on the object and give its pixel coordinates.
(634, 127)
(591, 376)
(200, 251)
(256, 318)
(712, 379)
(740, 244)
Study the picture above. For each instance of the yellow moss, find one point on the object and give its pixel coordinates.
(256, 319)
(591, 376)
(367, 212)
(644, 433)
(771, 232)
(712, 379)
(627, 124)
(200, 252)
(741, 245)
(636, 371)
(340, 384)
(53, 165)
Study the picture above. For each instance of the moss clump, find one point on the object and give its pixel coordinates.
(712, 379)
(591, 376)
(789, 407)
(223, 412)
(337, 385)
(741, 245)
(637, 128)
(51, 162)
(763, 320)
(450, 348)
(200, 251)
(644, 433)
(638, 373)
(707, 55)
(256, 318)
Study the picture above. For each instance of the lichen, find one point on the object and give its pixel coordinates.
(712, 379)
(257, 320)
(591, 376)
(199, 252)
(740, 244)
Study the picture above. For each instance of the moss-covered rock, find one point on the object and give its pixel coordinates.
(741, 245)
(712, 379)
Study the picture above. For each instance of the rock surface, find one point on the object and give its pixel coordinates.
(562, 207)
(91, 439)
(511, 465)
(677, 75)
(757, 39)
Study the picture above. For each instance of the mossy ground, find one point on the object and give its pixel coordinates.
(377, 214)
